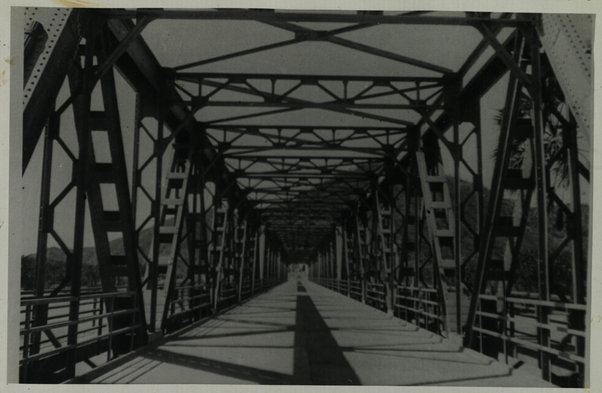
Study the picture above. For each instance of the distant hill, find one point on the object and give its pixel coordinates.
(56, 263)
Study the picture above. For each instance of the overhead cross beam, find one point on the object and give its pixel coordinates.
(412, 97)
(268, 15)
(315, 35)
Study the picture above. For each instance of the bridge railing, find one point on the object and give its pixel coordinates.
(375, 292)
(355, 290)
(420, 306)
(343, 287)
(189, 301)
(54, 346)
(228, 295)
(245, 290)
(265, 284)
(376, 295)
(352, 288)
(256, 285)
(328, 283)
(532, 329)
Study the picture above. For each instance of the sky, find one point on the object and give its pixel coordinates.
(180, 42)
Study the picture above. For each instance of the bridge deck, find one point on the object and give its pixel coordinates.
(301, 333)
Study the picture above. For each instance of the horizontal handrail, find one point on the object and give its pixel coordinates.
(418, 289)
(41, 328)
(530, 345)
(93, 317)
(58, 299)
(537, 302)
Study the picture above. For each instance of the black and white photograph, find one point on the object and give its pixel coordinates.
(301, 196)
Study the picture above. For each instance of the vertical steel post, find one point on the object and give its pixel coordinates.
(158, 150)
(136, 178)
(359, 253)
(275, 268)
(40, 311)
(580, 264)
(262, 252)
(380, 244)
(321, 265)
(191, 226)
(329, 262)
(346, 257)
(417, 232)
(324, 262)
(219, 263)
(405, 252)
(280, 266)
(479, 178)
(241, 257)
(457, 207)
(268, 261)
(254, 258)
(577, 320)
(332, 257)
(84, 138)
(541, 188)
(204, 254)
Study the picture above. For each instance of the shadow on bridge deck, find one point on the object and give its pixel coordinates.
(301, 333)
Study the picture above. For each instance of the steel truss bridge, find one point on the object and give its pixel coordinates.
(388, 205)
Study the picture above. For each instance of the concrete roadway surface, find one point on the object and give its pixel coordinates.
(300, 333)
